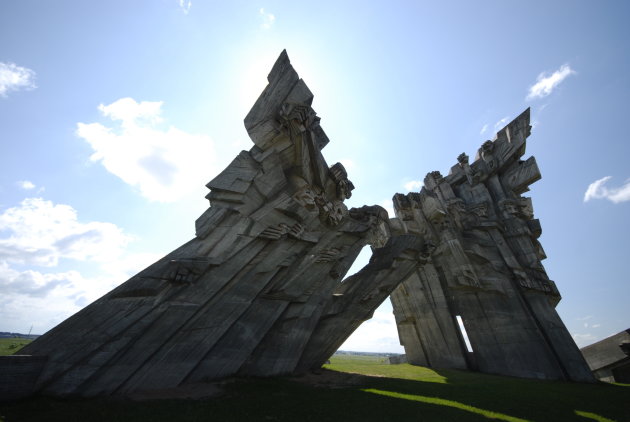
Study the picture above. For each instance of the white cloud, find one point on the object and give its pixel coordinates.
(44, 299)
(185, 6)
(597, 190)
(546, 84)
(483, 129)
(40, 299)
(26, 184)
(378, 334)
(583, 340)
(38, 232)
(586, 318)
(389, 207)
(267, 19)
(32, 283)
(165, 165)
(131, 113)
(14, 77)
(413, 185)
(501, 123)
(349, 165)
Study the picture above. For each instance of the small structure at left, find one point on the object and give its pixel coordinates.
(259, 290)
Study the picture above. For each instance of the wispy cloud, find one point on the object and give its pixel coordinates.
(349, 164)
(483, 129)
(165, 164)
(378, 334)
(39, 232)
(185, 5)
(499, 125)
(268, 19)
(583, 340)
(26, 184)
(14, 77)
(545, 84)
(598, 190)
(413, 185)
(389, 207)
(33, 283)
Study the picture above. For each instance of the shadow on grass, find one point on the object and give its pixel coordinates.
(337, 396)
(506, 398)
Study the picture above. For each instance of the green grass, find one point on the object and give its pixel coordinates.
(381, 393)
(494, 397)
(377, 366)
(9, 346)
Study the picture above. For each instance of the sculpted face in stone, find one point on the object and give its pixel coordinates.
(336, 212)
(487, 147)
(487, 150)
(304, 193)
(480, 210)
(509, 207)
(344, 189)
(306, 197)
(526, 209)
(344, 185)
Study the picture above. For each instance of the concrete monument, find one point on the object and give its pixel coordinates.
(485, 268)
(259, 290)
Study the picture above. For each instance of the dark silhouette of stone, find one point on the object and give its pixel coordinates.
(485, 267)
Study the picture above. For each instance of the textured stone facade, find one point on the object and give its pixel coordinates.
(485, 267)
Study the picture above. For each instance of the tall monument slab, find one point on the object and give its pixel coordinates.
(485, 268)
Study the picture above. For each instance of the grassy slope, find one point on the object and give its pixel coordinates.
(394, 393)
(517, 398)
(9, 346)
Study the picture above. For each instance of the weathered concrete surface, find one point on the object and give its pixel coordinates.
(259, 290)
(608, 360)
(485, 267)
(18, 375)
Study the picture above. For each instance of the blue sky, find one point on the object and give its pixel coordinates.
(114, 115)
